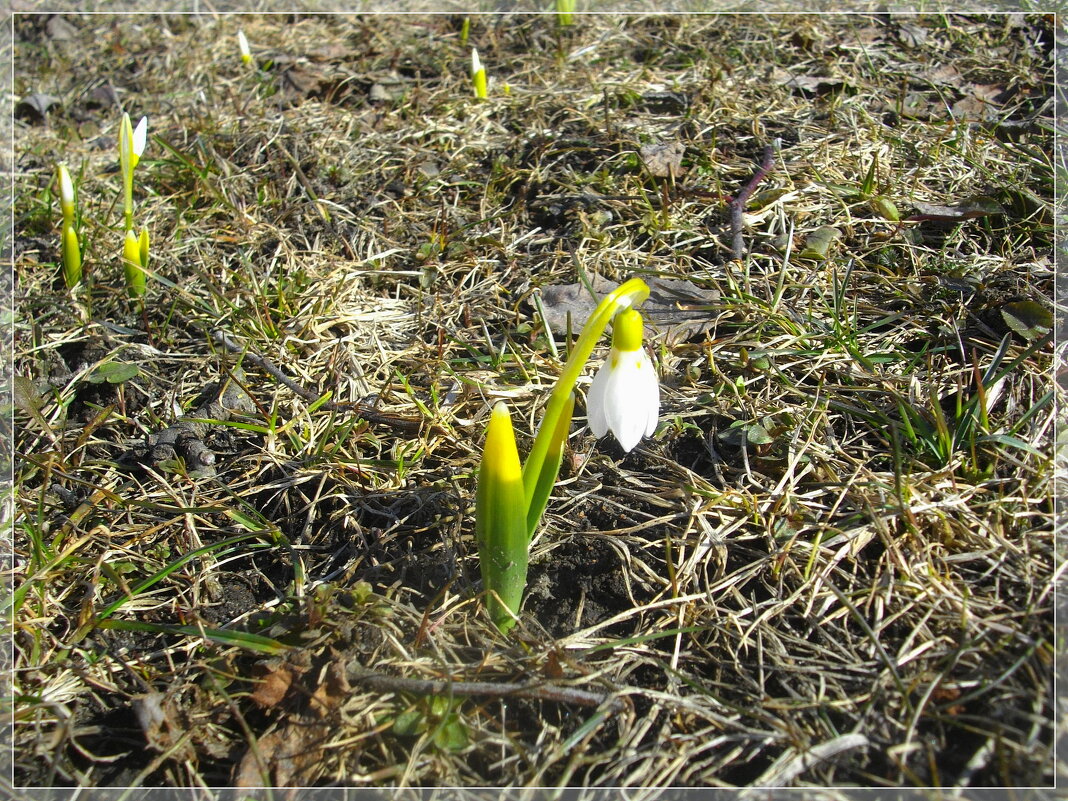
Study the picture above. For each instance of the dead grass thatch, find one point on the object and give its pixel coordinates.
(833, 564)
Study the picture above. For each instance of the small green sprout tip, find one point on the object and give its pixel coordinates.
(131, 263)
(72, 257)
(478, 76)
(565, 10)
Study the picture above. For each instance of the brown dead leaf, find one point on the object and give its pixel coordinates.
(292, 754)
(978, 207)
(982, 102)
(676, 310)
(911, 35)
(332, 690)
(663, 160)
(300, 81)
(332, 51)
(35, 106)
(869, 34)
(945, 74)
(806, 84)
(273, 683)
(103, 96)
(286, 757)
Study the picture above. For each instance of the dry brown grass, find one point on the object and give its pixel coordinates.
(796, 582)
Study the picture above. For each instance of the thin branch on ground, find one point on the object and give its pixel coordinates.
(738, 204)
(486, 689)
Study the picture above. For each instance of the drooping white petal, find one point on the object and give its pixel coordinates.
(140, 137)
(242, 45)
(626, 409)
(624, 398)
(651, 398)
(595, 400)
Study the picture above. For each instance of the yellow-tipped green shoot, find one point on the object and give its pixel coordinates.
(72, 254)
(242, 46)
(131, 264)
(501, 521)
(66, 195)
(465, 31)
(142, 247)
(126, 167)
(565, 10)
(72, 257)
(131, 146)
(478, 76)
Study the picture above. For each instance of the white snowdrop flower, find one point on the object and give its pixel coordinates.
(140, 138)
(625, 395)
(242, 44)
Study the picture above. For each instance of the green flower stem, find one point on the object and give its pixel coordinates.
(565, 10)
(127, 207)
(126, 164)
(543, 488)
(630, 293)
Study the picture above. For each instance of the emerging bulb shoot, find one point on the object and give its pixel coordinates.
(478, 76)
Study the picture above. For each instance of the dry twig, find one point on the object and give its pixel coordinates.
(738, 204)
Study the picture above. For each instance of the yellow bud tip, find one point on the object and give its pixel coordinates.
(66, 186)
(500, 456)
(131, 248)
(627, 331)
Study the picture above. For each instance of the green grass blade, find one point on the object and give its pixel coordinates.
(226, 637)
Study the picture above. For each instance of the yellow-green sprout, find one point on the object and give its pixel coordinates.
(510, 499)
(72, 255)
(501, 520)
(131, 146)
(131, 264)
(478, 76)
(66, 194)
(142, 248)
(565, 10)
